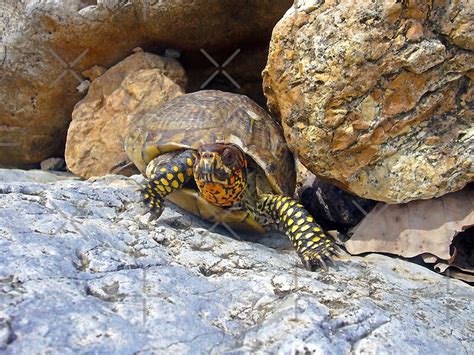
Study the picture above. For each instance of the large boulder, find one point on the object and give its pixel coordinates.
(94, 145)
(377, 96)
(46, 45)
(84, 272)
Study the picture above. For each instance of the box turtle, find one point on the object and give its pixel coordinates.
(220, 156)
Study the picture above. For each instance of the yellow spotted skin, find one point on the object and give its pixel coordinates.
(311, 243)
(313, 246)
(166, 178)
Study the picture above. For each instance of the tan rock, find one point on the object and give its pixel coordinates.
(94, 72)
(377, 96)
(415, 31)
(46, 45)
(94, 144)
(303, 176)
(344, 136)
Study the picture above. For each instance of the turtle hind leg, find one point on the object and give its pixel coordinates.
(313, 246)
(164, 178)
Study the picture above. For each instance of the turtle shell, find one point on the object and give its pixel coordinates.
(212, 116)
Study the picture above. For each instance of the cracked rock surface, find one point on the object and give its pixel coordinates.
(81, 270)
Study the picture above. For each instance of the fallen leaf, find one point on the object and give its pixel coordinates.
(414, 228)
(429, 258)
(464, 276)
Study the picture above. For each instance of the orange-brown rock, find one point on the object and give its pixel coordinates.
(94, 145)
(377, 96)
(46, 45)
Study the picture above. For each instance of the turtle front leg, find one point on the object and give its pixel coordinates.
(164, 178)
(311, 243)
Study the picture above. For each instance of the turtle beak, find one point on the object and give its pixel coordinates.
(207, 163)
(206, 166)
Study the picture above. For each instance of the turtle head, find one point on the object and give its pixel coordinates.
(220, 171)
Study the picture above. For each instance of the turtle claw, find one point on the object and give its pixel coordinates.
(322, 263)
(320, 257)
(145, 211)
(154, 206)
(155, 212)
(153, 216)
(312, 261)
(336, 250)
(306, 264)
(329, 261)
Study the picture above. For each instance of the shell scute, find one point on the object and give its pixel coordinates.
(211, 116)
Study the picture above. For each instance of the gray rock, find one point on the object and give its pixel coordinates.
(82, 271)
(40, 176)
(53, 164)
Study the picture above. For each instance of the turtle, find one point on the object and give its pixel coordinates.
(222, 157)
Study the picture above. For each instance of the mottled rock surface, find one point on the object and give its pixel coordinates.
(46, 45)
(377, 96)
(82, 271)
(52, 164)
(94, 145)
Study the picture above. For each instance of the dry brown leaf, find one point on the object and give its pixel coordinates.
(429, 258)
(461, 264)
(464, 276)
(441, 267)
(414, 228)
(463, 261)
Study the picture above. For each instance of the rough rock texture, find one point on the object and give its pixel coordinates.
(81, 271)
(94, 145)
(46, 45)
(377, 96)
(53, 164)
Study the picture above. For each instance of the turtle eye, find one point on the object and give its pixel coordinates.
(229, 157)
